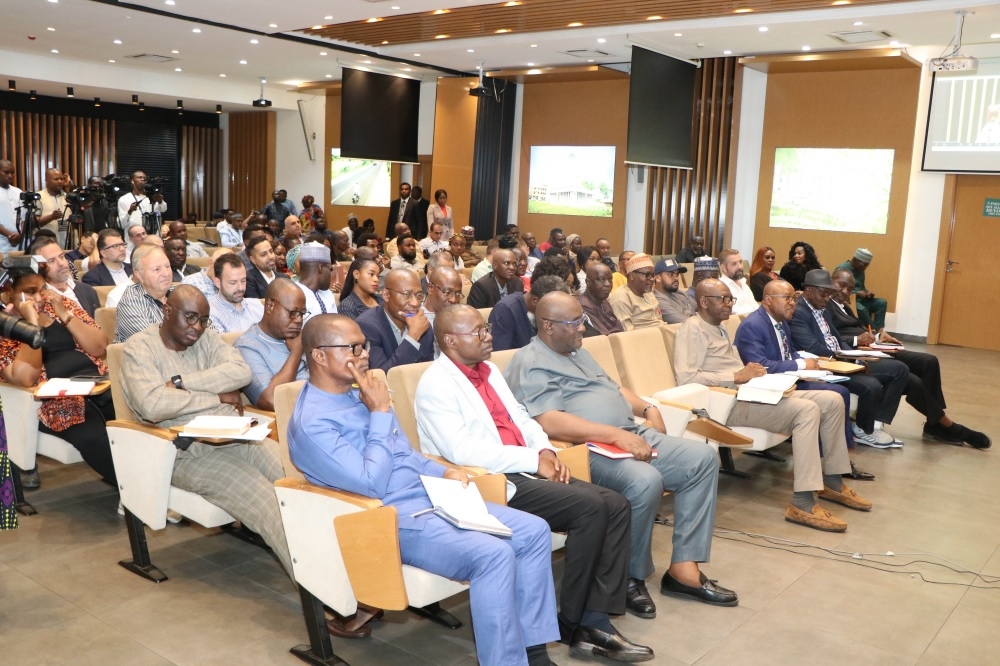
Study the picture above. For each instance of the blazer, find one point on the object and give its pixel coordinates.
(418, 228)
(409, 216)
(847, 322)
(453, 421)
(485, 293)
(87, 297)
(511, 328)
(188, 270)
(757, 342)
(256, 283)
(806, 333)
(100, 276)
(386, 352)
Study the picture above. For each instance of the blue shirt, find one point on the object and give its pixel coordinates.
(336, 442)
(265, 356)
(228, 319)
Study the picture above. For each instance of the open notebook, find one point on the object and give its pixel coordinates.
(462, 507)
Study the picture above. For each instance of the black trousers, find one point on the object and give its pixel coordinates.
(90, 438)
(923, 386)
(879, 393)
(598, 526)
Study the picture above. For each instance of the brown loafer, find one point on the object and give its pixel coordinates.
(819, 519)
(846, 497)
(339, 627)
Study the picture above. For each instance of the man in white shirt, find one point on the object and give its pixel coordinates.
(731, 275)
(10, 202)
(133, 205)
(229, 310)
(315, 273)
(231, 232)
(351, 229)
(407, 254)
(52, 205)
(434, 242)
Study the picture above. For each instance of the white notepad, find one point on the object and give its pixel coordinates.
(462, 507)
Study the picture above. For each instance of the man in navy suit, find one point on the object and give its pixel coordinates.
(262, 270)
(398, 331)
(513, 318)
(408, 214)
(112, 270)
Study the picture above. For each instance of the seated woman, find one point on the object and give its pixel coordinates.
(361, 287)
(801, 260)
(584, 258)
(74, 346)
(762, 272)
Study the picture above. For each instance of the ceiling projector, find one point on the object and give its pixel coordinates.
(260, 102)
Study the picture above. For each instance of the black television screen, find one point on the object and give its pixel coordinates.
(378, 116)
(660, 108)
(963, 125)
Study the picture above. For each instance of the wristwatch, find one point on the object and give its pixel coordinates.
(65, 322)
(177, 382)
(648, 407)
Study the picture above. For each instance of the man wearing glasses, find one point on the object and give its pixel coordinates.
(399, 330)
(635, 305)
(112, 270)
(703, 354)
(180, 370)
(444, 289)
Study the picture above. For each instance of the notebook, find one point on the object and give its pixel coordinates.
(767, 389)
(462, 507)
(611, 451)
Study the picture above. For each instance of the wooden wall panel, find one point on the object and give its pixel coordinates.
(252, 142)
(201, 171)
(685, 202)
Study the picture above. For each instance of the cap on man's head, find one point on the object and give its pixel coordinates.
(818, 277)
(468, 228)
(314, 253)
(706, 264)
(669, 266)
(863, 255)
(638, 261)
(352, 216)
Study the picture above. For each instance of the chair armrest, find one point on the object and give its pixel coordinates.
(156, 431)
(468, 469)
(720, 403)
(577, 458)
(493, 487)
(248, 409)
(369, 545)
(560, 444)
(144, 457)
(712, 430)
(359, 501)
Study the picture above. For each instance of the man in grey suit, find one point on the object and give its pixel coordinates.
(58, 278)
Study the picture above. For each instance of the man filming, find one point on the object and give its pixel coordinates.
(134, 205)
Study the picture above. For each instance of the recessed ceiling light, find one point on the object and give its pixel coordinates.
(742, 10)
(396, 7)
(590, 61)
(762, 28)
(531, 64)
(196, 30)
(534, 71)
(441, 11)
(417, 55)
(51, 29)
(327, 18)
(322, 52)
(995, 35)
(53, 0)
(534, 46)
(117, 41)
(55, 50)
(470, 50)
(272, 25)
(502, 30)
(243, 62)
(178, 69)
(678, 34)
(317, 27)
(574, 24)
(512, 3)
(222, 76)
(175, 51)
(440, 36)
(374, 19)
(807, 48)
(385, 41)
(859, 23)
(366, 62)
(655, 17)
(841, 2)
(407, 69)
(894, 43)
(478, 67)
(727, 53)
(111, 61)
(169, 2)
(329, 76)
(255, 41)
(601, 40)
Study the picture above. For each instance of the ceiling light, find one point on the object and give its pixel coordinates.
(534, 46)
(135, 99)
(512, 3)
(385, 41)
(995, 35)
(407, 69)
(478, 67)
(53, 1)
(12, 85)
(327, 18)
(111, 61)
(440, 36)
(502, 30)
(317, 27)
(97, 101)
(175, 51)
(727, 53)
(142, 106)
(255, 41)
(742, 10)
(396, 7)
(272, 25)
(859, 23)
(169, 2)
(178, 69)
(222, 76)
(416, 55)
(531, 64)
(841, 2)
(470, 50)
(590, 61)
(55, 50)
(117, 41)
(218, 108)
(366, 62)
(243, 62)
(33, 95)
(574, 24)
(655, 17)
(329, 76)
(371, 20)
(762, 28)
(196, 30)
(601, 40)
(441, 11)
(322, 52)
(534, 71)
(51, 29)
(807, 48)
(678, 34)
(894, 43)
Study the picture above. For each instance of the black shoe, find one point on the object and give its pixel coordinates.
(858, 474)
(538, 656)
(709, 592)
(939, 433)
(30, 479)
(614, 646)
(637, 599)
(566, 629)
(973, 438)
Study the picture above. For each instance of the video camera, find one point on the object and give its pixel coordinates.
(30, 197)
(154, 185)
(83, 195)
(12, 327)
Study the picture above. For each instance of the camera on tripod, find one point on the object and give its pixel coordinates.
(154, 186)
(83, 195)
(30, 197)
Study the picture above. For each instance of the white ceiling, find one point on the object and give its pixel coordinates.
(85, 32)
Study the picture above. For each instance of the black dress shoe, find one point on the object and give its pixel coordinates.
(709, 592)
(30, 479)
(614, 646)
(858, 474)
(637, 599)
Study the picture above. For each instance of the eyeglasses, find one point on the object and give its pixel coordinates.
(726, 300)
(449, 293)
(192, 318)
(574, 323)
(114, 246)
(646, 275)
(418, 296)
(482, 333)
(292, 314)
(788, 298)
(355, 347)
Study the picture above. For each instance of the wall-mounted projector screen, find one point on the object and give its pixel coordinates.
(571, 180)
(963, 126)
(832, 189)
(660, 108)
(359, 182)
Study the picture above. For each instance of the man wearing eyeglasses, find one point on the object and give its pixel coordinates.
(112, 270)
(398, 330)
(635, 305)
(444, 289)
(182, 369)
(703, 354)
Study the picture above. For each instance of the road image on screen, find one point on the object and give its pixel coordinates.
(571, 180)
(355, 182)
(832, 189)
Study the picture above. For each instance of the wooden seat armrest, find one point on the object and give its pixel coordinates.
(722, 389)
(676, 405)
(715, 431)
(156, 431)
(369, 546)
(493, 487)
(468, 469)
(559, 444)
(577, 458)
(351, 498)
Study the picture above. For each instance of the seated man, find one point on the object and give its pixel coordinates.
(513, 318)
(231, 231)
(343, 434)
(273, 348)
(406, 255)
(178, 230)
(398, 329)
(694, 249)
(731, 269)
(262, 270)
(179, 268)
(571, 397)
(203, 280)
(466, 413)
(635, 306)
(141, 304)
(603, 247)
(871, 310)
(879, 392)
(704, 355)
(231, 312)
(136, 235)
(923, 384)
(620, 278)
(175, 372)
(112, 269)
(675, 307)
(434, 241)
(594, 300)
(489, 289)
(292, 229)
(486, 265)
(444, 289)
(56, 272)
(469, 258)
(392, 247)
(315, 274)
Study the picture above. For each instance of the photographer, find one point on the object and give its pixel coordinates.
(98, 214)
(52, 205)
(135, 204)
(10, 203)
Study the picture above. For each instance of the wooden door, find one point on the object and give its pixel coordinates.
(970, 311)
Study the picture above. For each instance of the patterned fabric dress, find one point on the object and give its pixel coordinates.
(8, 516)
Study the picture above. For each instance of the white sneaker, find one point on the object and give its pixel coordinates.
(871, 440)
(858, 432)
(887, 439)
(173, 517)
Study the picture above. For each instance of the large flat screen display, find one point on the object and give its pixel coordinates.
(832, 189)
(359, 182)
(571, 180)
(963, 126)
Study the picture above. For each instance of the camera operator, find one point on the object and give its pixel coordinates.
(135, 204)
(52, 205)
(10, 203)
(98, 214)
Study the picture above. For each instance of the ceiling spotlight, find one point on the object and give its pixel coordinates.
(32, 95)
(395, 7)
(502, 31)
(531, 64)
(55, 50)
(97, 101)
(742, 10)
(470, 50)
(441, 11)
(894, 43)
(374, 19)
(142, 106)
(272, 25)
(178, 69)
(534, 46)
(243, 62)
(416, 55)
(655, 17)
(117, 41)
(366, 62)
(678, 34)
(255, 41)
(762, 28)
(222, 76)
(727, 53)
(440, 36)
(169, 2)
(322, 52)
(329, 76)
(859, 23)
(195, 29)
(111, 61)
(135, 99)
(807, 48)
(330, 18)
(51, 29)
(218, 108)
(601, 40)
(407, 69)
(317, 27)
(175, 51)
(12, 85)
(574, 24)
(385, 41)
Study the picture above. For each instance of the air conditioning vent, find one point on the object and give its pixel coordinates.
(860, 36)
(587, 54)
(152, 57)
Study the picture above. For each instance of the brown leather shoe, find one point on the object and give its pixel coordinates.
(846, 497)
(819, 519)
(339, 627)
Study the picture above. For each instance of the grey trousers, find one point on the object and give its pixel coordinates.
(812, 417)
(685, 467)
(239, 479)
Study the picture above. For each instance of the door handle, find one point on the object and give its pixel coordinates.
(952, 263)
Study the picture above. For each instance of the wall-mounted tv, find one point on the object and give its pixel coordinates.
(832, 189)
(963, 126)
(359, 182)
(571, 180)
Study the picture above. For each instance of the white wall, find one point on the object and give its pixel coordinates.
(635, 210)
(751, 135)
(515, 158)
(293, 170)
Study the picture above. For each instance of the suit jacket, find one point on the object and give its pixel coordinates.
(419, 225)
(188, 270)
(847, 322)
(256, 284)
(511, 328)
(409, 216)
(386, 352)
(806, 333)
(485, 293)
(757, 342)
(100, 276)
(453, 421)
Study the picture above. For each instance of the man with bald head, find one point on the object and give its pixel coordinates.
(292, 229)
(392, 247)
(141, 304)
(343, 434)
(398, 330)
(574, 400)
(178, 229)
(182, 369)
(594, 300)
(273, 348)
(340, 244)
(620, 277)
(703, 354)
(501, 281)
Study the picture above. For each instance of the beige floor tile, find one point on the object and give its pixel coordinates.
(967, 636)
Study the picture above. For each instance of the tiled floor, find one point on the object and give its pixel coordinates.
(64, 600)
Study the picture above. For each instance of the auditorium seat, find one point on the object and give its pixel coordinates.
(485, 312)
(102, 294)
(200, 262)
(105, 318)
